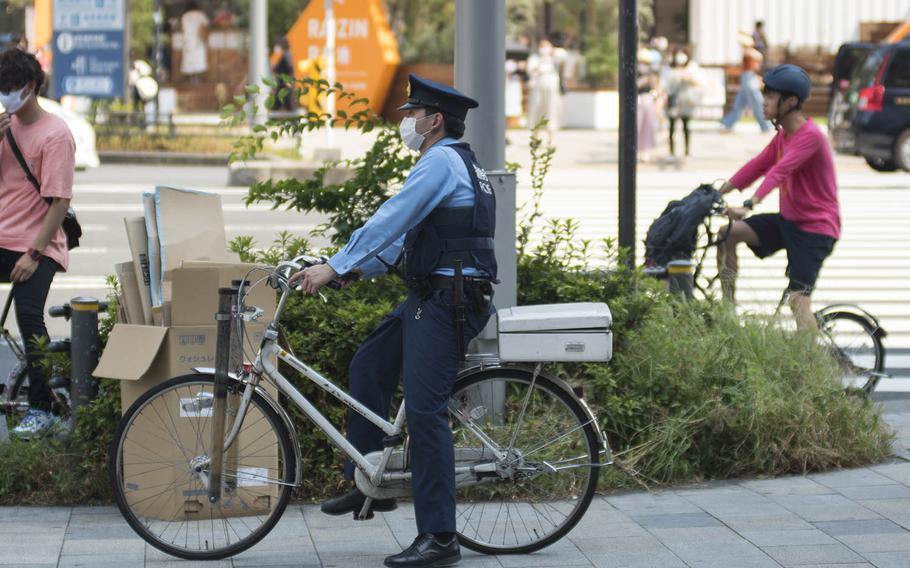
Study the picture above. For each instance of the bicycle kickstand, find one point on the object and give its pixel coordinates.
(365, 513)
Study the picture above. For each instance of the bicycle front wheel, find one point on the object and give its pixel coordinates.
(158, 469)
(547, 470)
(856, 345)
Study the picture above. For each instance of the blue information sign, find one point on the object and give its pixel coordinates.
(89, 48)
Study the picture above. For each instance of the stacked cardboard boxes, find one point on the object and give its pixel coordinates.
(169, 297)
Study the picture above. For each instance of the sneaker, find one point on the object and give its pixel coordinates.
(36, 423)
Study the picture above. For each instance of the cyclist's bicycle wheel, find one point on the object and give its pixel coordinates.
(856, 344)
(157, 450)
(547, 480)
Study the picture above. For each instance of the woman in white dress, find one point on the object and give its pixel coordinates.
(194, 25)
(545, 99)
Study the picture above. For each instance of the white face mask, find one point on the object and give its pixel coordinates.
(408, 132)
(13, 101)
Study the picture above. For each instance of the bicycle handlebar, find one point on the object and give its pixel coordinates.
(287, 268)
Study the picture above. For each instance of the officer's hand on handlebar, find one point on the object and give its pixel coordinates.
(312, 278)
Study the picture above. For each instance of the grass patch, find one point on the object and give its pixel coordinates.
(163, 143)
(699, 392)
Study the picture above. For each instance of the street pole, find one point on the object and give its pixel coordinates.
(480, 68)
(480, 60)
(157, 18)
(628, 128)
(259, 69)
(330, 66)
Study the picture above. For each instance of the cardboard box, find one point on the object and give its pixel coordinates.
(130, 300)
(190, 227)
(161, 315)
(194, 290)
(141, 357)
(178, 429)
(138, 241)
(153, 247)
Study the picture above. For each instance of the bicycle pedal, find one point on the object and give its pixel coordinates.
(358, 517)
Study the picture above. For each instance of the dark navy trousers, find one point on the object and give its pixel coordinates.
(415, 341)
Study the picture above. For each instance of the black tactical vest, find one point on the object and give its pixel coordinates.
(453, 233)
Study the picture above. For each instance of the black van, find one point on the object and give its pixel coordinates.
(871, 117)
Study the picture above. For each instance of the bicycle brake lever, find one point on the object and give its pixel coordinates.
(252, 314)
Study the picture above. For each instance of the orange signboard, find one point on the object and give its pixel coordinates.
(366, 52)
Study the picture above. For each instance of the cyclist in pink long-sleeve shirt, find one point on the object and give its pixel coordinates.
(799, 162)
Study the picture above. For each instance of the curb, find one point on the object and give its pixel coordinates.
(173, 158)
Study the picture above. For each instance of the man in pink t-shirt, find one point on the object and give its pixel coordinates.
(799, 162)
(32, 243)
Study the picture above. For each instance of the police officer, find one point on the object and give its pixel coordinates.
(439, 225)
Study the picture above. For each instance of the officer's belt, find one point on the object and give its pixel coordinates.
(442, 282)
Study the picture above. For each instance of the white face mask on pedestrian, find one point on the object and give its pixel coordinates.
(14, 100)
(408, 132)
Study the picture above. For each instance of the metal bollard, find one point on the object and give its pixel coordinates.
(224, 322)
(680, 274)
(84, 351)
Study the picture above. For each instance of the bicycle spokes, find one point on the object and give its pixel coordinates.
(534, 462)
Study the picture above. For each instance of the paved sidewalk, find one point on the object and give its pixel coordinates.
(845, 519)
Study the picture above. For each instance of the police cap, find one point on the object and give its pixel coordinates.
(423, 93)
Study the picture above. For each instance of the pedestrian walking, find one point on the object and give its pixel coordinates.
(195, 25)
(544, 84)
(760, 41)
(37, 163)
(683, 84)
(443, 217)
(282, 67)
(749, 94)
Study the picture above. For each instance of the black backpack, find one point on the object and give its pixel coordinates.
(674, 234)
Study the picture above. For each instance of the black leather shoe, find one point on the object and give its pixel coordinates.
(427, 551)
(352, 501)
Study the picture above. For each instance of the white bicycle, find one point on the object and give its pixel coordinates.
(528, 450)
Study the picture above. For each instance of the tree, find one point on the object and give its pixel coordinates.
(425, 29)
(142, 29)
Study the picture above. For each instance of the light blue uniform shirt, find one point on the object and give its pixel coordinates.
(439, 179)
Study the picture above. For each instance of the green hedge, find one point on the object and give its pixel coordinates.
(693, 391)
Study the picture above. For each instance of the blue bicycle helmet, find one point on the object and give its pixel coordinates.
(789, 78)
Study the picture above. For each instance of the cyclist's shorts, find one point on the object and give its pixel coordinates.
(805, 251)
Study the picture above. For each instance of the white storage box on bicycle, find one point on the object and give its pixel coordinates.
(556, 332)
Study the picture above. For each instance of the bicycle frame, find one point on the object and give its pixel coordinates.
(265, 365)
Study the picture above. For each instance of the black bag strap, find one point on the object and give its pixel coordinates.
(21, 159)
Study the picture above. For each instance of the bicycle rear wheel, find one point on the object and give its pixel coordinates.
(856, 345)
(546, 480)
(159, 449)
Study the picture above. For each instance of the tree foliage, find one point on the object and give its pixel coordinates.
(349, 202)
